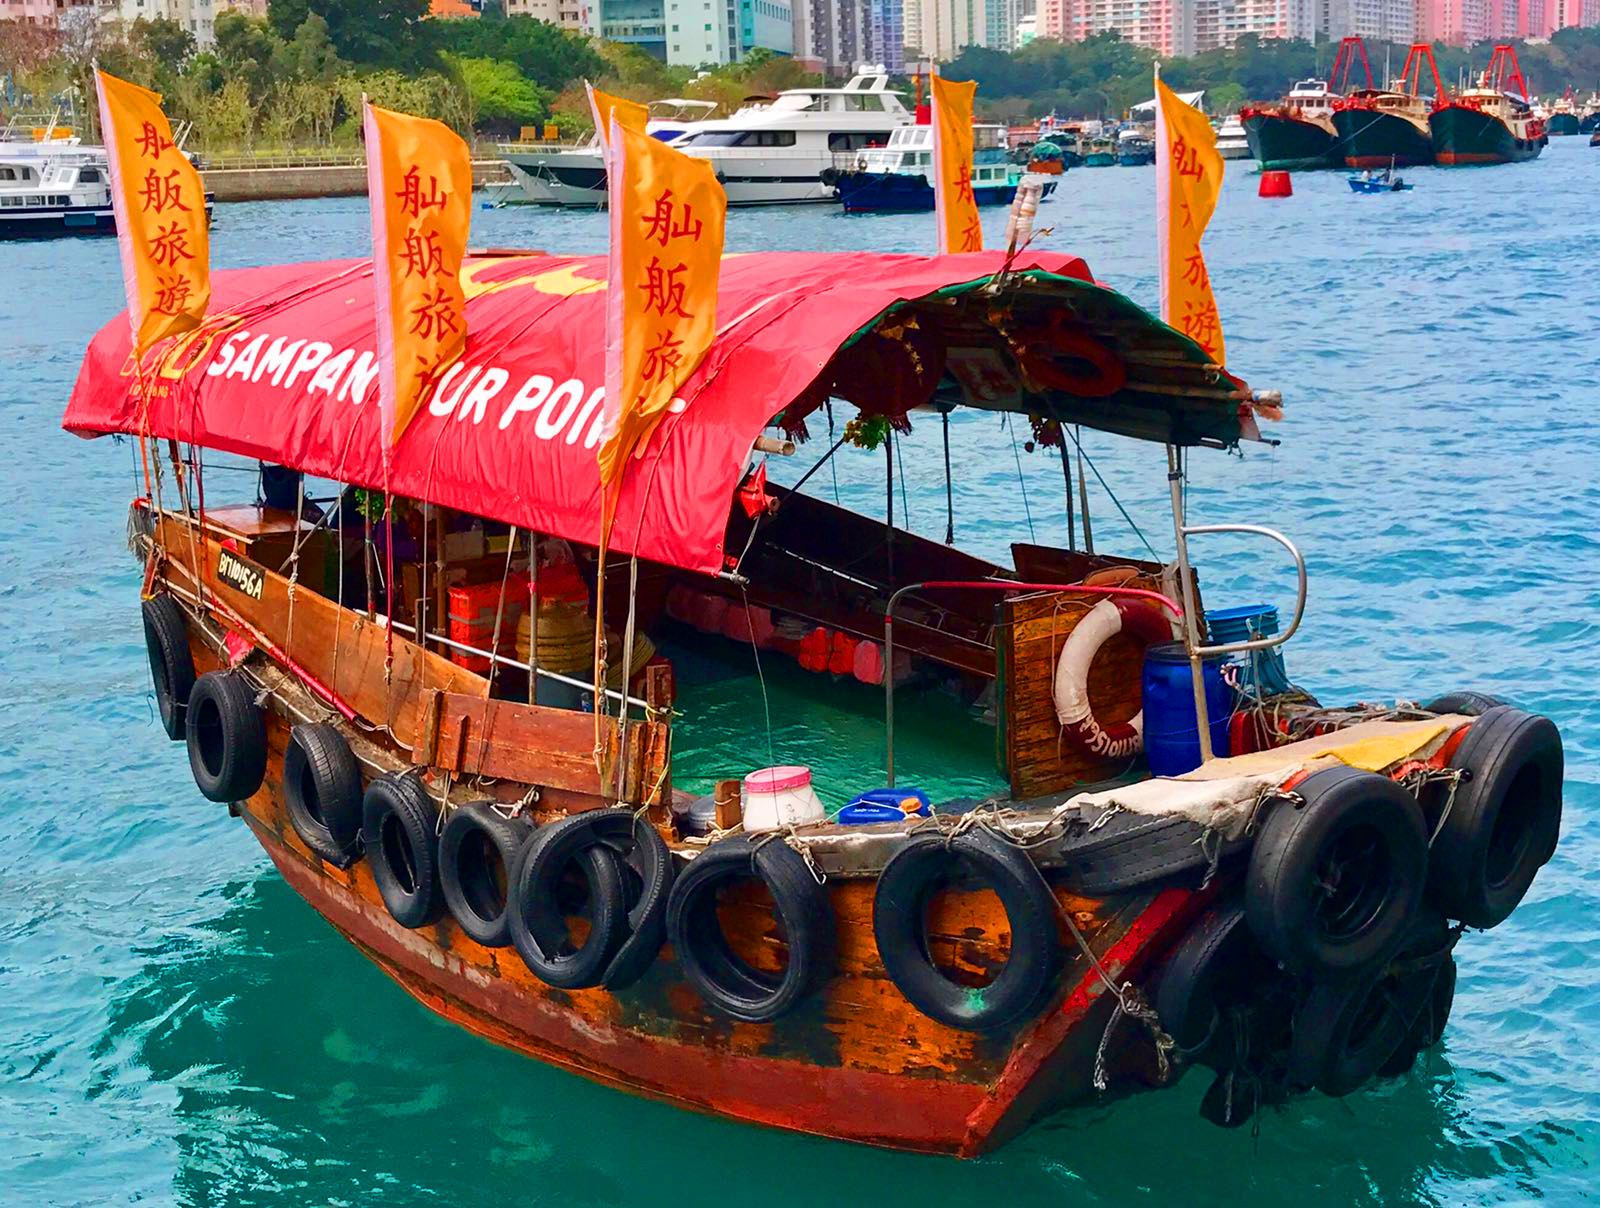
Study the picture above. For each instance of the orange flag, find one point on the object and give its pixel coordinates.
(959, 227)
(419, 185)
(1188, 180)
(667, 215)
(604, 107)
(160, 207)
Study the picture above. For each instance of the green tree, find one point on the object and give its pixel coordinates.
(246, 47)
(502, 98)
(378, 33)
(310, 55)
(166, 42)
(544, 53)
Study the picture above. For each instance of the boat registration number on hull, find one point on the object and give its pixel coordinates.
(239, 574)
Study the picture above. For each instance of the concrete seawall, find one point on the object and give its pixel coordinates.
(288, 183)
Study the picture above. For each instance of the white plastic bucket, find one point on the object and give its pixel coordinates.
(778, 798)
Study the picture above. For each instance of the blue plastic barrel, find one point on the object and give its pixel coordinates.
(1171, 734)
(884, 805)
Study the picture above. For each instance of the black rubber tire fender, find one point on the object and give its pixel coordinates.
(726, 982)
(399, 828)
(1505, 820)
(537, 919)
(1467, 704)
(899, 924)
(647, 857)
(1335, 883)
(1346, 1032)
(1219, 962)
(1129, 850)
(1428, 1027)
(322, 790)
(227, 737)
(478, 840)
(166, 643)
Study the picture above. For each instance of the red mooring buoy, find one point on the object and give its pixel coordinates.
(1276, 184)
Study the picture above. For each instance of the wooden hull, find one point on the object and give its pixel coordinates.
(857, 1064)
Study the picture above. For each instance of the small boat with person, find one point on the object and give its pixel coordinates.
(1378, 182)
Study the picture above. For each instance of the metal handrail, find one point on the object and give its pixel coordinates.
(1166, 602)
(1265, 643)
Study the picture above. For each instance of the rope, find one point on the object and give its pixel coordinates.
(1021, 483)
(1138, 532)
(949, 496)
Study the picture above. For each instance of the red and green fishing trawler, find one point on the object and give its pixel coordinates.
(1297, 133)
(1492, 123)
(1385, 127)
(1188, 863)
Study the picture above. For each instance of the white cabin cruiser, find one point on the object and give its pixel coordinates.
(1231, 140)
(62, 190)
(549, 174)
(774, 152)
(47, 191)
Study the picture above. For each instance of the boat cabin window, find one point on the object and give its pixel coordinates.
(855, 140)
(88, 176)
(8, 173)
(739, 138)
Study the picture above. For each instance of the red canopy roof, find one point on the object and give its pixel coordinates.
(284, 371)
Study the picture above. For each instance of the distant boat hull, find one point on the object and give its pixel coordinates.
(1136, 159)
(1464, 136)
(1563, 123)
(1369, 138)
(1287, 144)
(899, 193)
(57, 222)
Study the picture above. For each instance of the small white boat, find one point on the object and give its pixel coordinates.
(48, 190)
(54, 190)
(1231, 140)
(556, 174)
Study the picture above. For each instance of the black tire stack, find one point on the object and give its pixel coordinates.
(1334, 965)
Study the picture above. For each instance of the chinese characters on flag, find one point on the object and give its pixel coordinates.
(956, 207)
(604, 107)
(419, 185)
(1188, 180)
(160, 207)
(667, 213)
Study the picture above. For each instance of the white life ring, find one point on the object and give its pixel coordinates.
(1124, 614)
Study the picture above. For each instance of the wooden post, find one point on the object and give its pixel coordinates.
(725, 798)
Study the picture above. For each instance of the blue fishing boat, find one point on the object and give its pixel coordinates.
(1378, 182)
(896, 178)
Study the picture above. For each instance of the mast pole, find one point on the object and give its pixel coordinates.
(1191, 634)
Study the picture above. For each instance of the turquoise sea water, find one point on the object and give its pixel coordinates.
(176, 1026)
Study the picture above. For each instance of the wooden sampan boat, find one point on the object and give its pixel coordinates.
(349, 685)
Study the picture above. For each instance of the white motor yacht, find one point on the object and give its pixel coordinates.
(1231, 140)
(551, 174)
(775, 152)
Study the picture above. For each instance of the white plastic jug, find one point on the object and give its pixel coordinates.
(778, 798)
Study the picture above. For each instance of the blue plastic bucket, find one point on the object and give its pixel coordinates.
(1171, 734)
(1260, 672)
